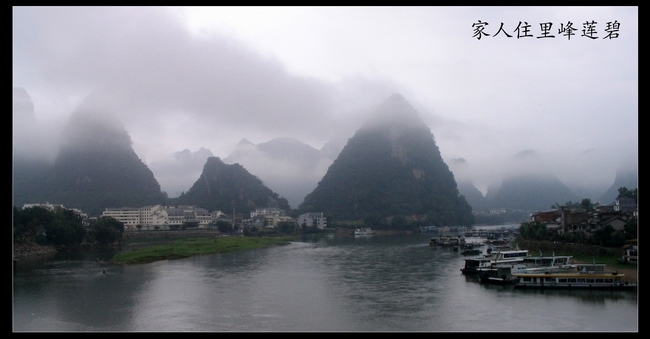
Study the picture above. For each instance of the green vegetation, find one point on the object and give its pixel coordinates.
(107, 231)
(605, 236)
(61, 227)
(195, 246)
(625, 192)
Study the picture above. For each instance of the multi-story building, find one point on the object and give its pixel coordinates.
(264, 212)
(127, 215)
(312, 219)
(163, 217)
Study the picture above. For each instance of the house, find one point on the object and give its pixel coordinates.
(550, 216)
(312, 219)
(616, 222)
(574, 219)
(625, 204)
(268, 211)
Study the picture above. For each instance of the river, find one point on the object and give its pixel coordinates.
(381, 283)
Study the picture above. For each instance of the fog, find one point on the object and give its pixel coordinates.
(182, 79)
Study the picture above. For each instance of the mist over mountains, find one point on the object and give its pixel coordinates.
(179, 170)
(390, 167)
(226, 187)
(95, 168)
(89, 163)
(286, 165)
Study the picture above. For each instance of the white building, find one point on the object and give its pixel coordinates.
(161, 216)
(312, 219)
(127, 215)
(265, 212)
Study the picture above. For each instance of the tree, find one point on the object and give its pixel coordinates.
(66, 230)
(107, 230)
(29, 224)
(587, 205)
(399, 222)
(630, 229)
(190, 224)
(224, 226)
(624, 192)
(533, 230)
(286, 227)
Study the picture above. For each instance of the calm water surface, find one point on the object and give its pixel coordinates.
(396, 283)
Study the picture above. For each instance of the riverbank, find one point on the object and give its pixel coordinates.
(631, 275)
(30, 250)
(585, 254)
(195, 246)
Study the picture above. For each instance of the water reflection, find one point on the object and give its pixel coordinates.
(375, 284)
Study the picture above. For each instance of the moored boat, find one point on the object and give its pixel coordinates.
(501, 274)
(631, 256)
(446, 241)
(472, 251)
(543, 263)
(475, 265)
(579, 276)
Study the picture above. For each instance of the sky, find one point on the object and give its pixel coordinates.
(207, 77)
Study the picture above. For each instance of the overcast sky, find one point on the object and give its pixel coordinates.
(186, 78)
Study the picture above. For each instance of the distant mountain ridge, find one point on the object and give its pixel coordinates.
(286, 165)
(96, 168)
(177, 172)
(226, 187)
(530, 192)
(625, 177)
(473, 195)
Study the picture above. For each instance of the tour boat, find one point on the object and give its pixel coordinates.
(476, 265)
(544, 262)
(579, 276)
(501, 274)
(530, 264)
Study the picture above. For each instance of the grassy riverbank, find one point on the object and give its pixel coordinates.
(184, 248)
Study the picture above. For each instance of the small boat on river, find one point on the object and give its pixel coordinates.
(363, 232)
(447, 241)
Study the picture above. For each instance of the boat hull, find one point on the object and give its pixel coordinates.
(622, 286)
